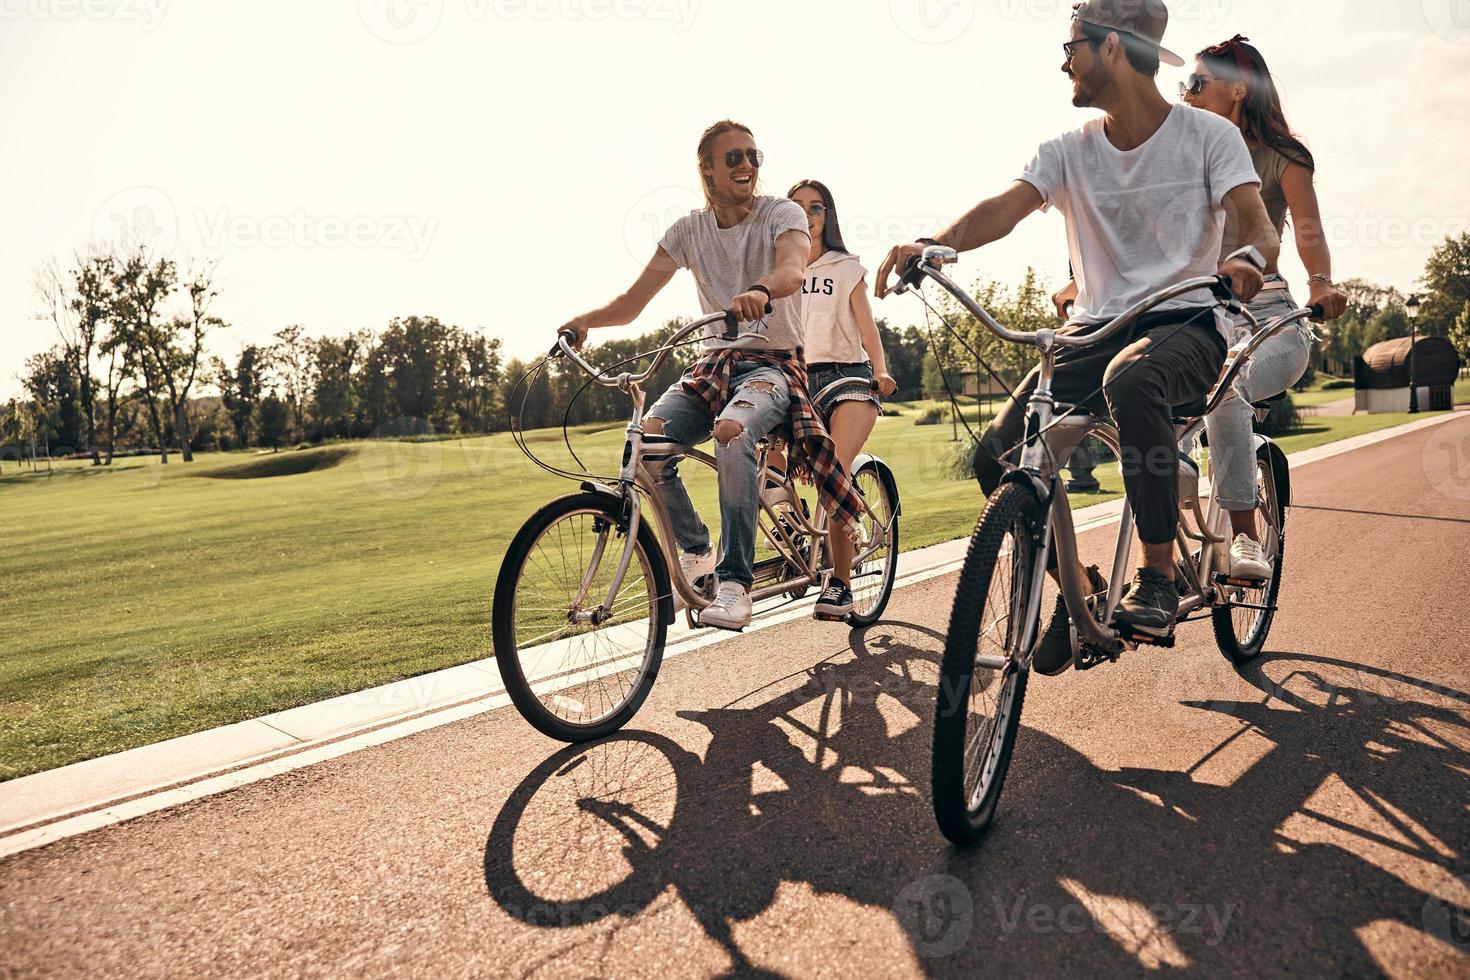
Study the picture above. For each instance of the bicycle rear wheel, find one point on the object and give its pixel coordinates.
(872, 579)
(1241, 632)
(978, 710)
(576, 667)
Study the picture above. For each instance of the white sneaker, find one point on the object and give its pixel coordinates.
(1247, 560)
(693, 568)
(730, 610)
(696, 567)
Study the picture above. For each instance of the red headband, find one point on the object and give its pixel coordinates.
(1234, 46)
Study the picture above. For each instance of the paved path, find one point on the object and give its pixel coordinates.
(770, 812)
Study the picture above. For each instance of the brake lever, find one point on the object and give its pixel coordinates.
(1226, 295)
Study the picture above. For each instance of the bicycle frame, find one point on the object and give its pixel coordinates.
(637, 487)
(1049, 442)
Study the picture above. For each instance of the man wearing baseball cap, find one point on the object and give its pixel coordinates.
(1145, 189)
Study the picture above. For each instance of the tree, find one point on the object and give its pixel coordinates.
(291, 362)
(1459, 333)
(275, 421)
(1447, 281)
(335, 366)
(79, 305)
(141, 287)
(240, 389)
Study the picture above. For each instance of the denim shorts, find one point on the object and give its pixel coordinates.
(820, 376)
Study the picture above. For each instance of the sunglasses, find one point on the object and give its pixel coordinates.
(1067, 49)
(1195, 85)
(816, 209)
(733, 158)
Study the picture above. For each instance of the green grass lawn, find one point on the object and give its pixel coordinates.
(142, 602)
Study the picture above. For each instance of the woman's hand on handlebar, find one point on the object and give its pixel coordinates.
(749, 306)
(576, 330)
(1332, 300)
(898, 258)
(1245, 279)
(885, 384)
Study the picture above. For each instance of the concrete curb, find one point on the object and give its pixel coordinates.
(49, 806)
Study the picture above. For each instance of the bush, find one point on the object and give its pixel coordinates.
(1337, 383)
(959, 460)
(932, 416)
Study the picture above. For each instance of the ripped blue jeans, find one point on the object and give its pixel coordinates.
(759, 401)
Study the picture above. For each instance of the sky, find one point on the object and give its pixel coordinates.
(509, 164)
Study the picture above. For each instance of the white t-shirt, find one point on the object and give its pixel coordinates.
(1143, 219)
(728, 261)
(832, 335)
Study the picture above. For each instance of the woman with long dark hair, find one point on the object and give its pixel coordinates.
(842, 342)
(1232, 80)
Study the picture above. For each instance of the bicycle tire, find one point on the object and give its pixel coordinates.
(884, 479)
(1270, 514)
(964, 816)
(520, 687)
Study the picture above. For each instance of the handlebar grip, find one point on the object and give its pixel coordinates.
(732, 323)
(913, 272)
(556, 348)
(1225, 293)
(1318, 313)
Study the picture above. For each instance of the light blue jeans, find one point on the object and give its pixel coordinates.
(1277, 365)
(759, 401)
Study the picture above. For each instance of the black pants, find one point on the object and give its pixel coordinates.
(1144, 373)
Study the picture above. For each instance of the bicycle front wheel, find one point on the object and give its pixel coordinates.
(1242, 626)
(872, 578)
(577, 666)
(978, 710)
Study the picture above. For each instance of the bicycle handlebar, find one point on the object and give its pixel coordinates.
(727, 317)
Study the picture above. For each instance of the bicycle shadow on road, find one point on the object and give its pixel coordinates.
(1339, 840)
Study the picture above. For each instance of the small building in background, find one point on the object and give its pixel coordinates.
(1381, 375)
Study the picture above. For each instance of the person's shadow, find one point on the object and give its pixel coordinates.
(1085, 870)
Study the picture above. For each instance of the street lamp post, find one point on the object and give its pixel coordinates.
(1412, 308)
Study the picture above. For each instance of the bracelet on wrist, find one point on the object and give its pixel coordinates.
(758, 288)
(1323, 278)
(928, 241)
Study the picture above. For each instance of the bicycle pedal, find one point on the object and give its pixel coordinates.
(1142, 638)
(1241, 583)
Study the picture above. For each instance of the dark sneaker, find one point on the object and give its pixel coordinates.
(1054, 653)
(835, 602)
(1150, 607)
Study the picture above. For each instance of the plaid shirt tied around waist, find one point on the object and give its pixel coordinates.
(811, 454)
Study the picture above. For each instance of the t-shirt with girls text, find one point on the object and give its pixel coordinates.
(832, 335)
(728, 261)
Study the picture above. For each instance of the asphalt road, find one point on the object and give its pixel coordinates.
(770, 812)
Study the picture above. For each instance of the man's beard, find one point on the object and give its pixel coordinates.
(1089, 87)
